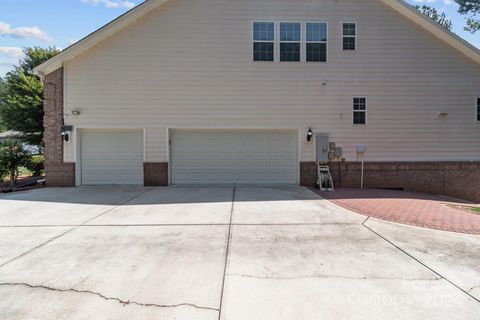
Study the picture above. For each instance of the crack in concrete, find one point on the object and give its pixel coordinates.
(329, 277)
(227, 250)
(467, 292)
(123, 302)
(119, 204)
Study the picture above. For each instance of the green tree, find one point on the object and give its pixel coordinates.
(440, 18)
(3, 91)
(12, 157)
(21, 102)
(470, 7)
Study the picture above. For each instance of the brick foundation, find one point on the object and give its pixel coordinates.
(454, 179)
(155, 174)
(60, 175)
(57, 173)
(308, 174)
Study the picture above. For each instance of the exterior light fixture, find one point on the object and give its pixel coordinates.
(67, 133)
(309, 134)
(324, 82)
(75, 112)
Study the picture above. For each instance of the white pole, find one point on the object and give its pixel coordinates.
(361, 180)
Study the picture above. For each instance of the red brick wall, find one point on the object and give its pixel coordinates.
(57, 173)
(308, 173)
(155, 174)
(455, 179)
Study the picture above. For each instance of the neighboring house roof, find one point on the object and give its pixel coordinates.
(10, 134)
(144, 8)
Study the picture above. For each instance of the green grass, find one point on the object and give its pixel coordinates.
(475, 210)
(24, 172)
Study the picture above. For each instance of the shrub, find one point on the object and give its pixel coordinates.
(3, 171)
(36, 165)
(12, 156)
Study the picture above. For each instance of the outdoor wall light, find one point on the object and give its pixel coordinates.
(75, 112)
(309, 134)
(67, 133)
(324, 82)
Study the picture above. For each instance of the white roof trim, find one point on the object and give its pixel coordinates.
(141, 10)
(96, 37)
(444, 34)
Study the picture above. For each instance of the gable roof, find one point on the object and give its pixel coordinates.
(444, 34)
(148, 5)
(98, 36)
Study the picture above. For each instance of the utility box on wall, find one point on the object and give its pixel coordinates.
(322, 147)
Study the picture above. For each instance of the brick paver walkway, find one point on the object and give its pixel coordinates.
(416, 209)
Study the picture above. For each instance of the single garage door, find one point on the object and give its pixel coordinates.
(234, 157)
(112, 157)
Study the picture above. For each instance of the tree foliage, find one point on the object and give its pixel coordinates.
(12, 157)
(440, 18)
(36, 165)
(471, 7)
(21, 99)
(3, 91)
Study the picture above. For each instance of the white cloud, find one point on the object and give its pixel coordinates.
(11, 52)
(24, 32)
(112, 4)
(9, 56)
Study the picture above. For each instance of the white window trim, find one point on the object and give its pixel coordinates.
(366, 111)
(274, 39)
(280, 41)
(304, 57)
(477, 109)
(355, 36)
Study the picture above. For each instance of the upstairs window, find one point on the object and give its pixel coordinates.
(263, 41)
(359, 110)
(290, 41)
(349, 36)
(316, 42)
(478, 109)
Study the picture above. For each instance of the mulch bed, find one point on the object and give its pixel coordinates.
(25, 183)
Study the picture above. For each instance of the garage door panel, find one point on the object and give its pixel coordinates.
(112, 157)
(234, 156)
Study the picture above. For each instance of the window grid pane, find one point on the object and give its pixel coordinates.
(359, 110)
(263, 41)
(316, 52)
(478, 109)
(290, 52)
(263, 51)
(290, 31)
(359, 117)
(349, 29)
(316, 42)
(316, 32)
(348, 43)
(263, 31)
(290, 41)
(349, 32)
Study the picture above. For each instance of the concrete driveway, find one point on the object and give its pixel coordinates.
(223, 253)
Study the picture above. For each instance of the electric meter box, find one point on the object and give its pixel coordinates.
(323, 147)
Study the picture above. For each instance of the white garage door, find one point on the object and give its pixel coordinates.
(234, 157)
(112, 157)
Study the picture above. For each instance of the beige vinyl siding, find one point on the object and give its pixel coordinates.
(189, 64)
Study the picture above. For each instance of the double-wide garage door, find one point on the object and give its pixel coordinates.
(234, 157)
(111, 157)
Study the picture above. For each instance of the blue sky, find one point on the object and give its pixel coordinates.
(61, 22)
